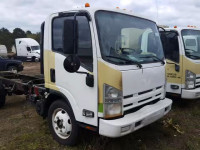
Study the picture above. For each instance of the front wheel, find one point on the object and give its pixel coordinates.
(35, 59)
(62, 123)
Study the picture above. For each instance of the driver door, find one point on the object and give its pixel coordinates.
(170, 41)
(73, 85)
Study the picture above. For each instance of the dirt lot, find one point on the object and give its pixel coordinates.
(22, 129)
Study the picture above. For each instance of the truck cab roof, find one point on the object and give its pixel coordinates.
(179, 29)
(28, 41)
(92, 11)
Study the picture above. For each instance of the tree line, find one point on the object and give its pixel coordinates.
(7, 38)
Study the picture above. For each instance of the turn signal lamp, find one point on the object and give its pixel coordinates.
(117, 7)
(87, 5)
(175, 26)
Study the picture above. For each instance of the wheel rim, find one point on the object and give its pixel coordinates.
(61, 122)
(36, 59)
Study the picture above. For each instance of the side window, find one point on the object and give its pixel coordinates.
(170, 45)
(84, 39)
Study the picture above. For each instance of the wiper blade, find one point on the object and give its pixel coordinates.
(190, 50)
(127, 60)
(193, 55)
(152, 56)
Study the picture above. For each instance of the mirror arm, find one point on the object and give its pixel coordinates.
(89, 78)
(161, 28)
(75, 50)
(81, 72)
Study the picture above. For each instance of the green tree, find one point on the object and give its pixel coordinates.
(19, 33)
(6, 38)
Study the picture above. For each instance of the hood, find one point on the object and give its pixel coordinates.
(13, 61)
(135, 81)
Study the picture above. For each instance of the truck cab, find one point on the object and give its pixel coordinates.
(27, 49)
(182, 51)
(104, 70)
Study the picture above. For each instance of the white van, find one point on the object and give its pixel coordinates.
(3, 50)
(27, 49)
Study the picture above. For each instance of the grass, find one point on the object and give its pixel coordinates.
(23, 129)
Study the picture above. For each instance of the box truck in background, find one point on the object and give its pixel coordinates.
(3, 50)
(26, 49)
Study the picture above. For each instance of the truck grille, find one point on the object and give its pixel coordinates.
(138, 100)
(197, 85)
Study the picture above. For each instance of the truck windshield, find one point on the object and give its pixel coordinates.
(35, 48)
(126, 39)
(191, 39)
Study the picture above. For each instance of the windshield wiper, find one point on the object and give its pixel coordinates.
(190, 50)
(193, 55)
(152, 56)
(127, 60)
(197, 55)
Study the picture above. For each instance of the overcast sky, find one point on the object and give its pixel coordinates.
(29, 14)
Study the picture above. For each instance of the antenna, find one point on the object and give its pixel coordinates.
(157, 10)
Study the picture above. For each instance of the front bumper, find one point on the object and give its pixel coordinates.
(136, 120)
(190, 94)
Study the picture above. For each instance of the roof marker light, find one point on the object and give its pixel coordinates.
(87, 5)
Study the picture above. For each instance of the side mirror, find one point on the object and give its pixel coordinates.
(70, 37)
(177, 68)
(90, 80)
(72, 63)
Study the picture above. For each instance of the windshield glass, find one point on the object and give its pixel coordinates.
(191, 39)
(35, 48)
(125, 39)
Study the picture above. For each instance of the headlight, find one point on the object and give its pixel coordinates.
(112, 102)
(190, 78)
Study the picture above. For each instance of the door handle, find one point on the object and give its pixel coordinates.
(52, 75)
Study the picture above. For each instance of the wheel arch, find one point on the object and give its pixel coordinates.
(10, 64)
(52, 97)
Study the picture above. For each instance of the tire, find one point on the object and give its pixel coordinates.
(2, 96)
(35, 59)
(12, 69)
(62, 123)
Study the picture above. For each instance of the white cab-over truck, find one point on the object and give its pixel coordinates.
(27, 49)
(103, 70)
(182, 52)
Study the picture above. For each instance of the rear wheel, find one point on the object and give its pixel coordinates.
(62, 123)
(2, 96)
(12, 69)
